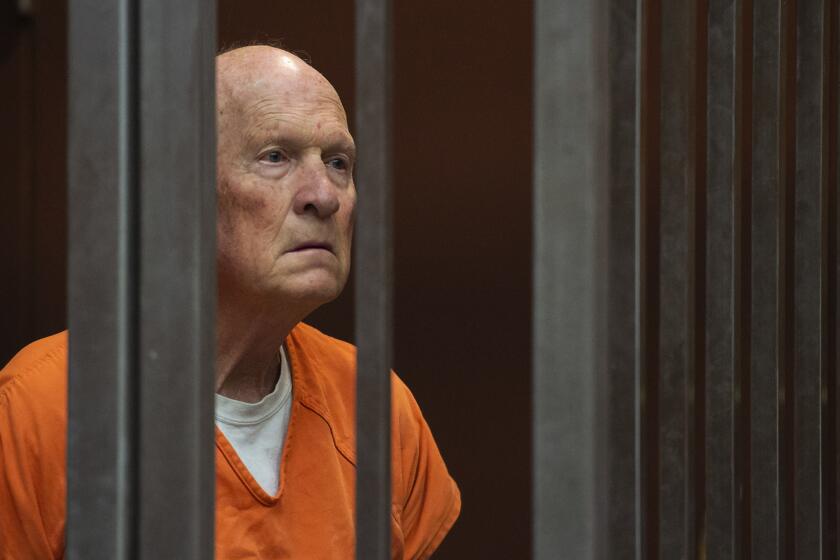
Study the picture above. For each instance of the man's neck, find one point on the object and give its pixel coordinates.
(248, 339)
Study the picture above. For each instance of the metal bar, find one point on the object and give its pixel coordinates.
(647, 278)
(829, 184)
(696, 184)
(834, 177)
(373, 278)
(762, 138)
(102, 293)
(617, 409)
(141, 471)
(742, 285)
(786, 267)
(571, 139)
(177, 143)
(808, 338)
(828, 272)
(677, 183)
(720, 239)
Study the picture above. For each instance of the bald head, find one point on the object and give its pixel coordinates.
(248, 74)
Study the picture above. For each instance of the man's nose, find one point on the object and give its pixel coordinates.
(317, 193)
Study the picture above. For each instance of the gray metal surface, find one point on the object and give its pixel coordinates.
(101, 290)
(761, 141)
(786, 294)
(373, 278)
(830, 180)
(570, 213)
(696, 186)
(675, 513)
(141, 471)
(785, 340)
(808, 337)
(719, 461)
(742, 278)
(617, 465)
(176, 351)
(647, 277)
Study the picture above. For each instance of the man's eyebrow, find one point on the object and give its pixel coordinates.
(343, 143)
(338, 142)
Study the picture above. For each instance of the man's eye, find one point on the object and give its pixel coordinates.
(274, 156)
(337, 163)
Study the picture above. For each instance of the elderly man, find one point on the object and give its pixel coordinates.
(285, 443)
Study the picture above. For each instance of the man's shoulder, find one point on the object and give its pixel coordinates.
(331, 363)
(324, 377)
(426, 499)
(324, 363)
(310, 339)
(33, 443)
(37, 374)
(323, 367)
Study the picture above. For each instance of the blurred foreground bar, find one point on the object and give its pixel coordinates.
(141, 279)
(583, 353)
(374, 274)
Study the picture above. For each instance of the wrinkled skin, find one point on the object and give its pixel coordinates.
(285, 161)
(286, 202)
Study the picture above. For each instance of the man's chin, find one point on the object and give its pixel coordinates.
(312, 294)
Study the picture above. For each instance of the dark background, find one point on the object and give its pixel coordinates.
(462, 219)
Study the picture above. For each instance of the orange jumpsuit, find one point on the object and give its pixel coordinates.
(310, 517)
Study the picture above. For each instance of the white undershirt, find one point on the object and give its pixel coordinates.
(257, 430)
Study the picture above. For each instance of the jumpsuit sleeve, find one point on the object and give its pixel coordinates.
(431, 501)
(32, 455)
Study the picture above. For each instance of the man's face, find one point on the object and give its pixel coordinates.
(285, 177)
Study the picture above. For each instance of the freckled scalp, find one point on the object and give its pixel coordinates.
(253, 78)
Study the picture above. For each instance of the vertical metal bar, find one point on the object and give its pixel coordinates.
(571, 141)
(785, 271)
(742, 297)
(617, 409)
(373, 278)
(743, 286)
(647, 278)
(177, 146)
(675, 515)
(834, 178)
(141, 473)
(828, 272)
(696, 184)
(101, 287)
(829, 186)
(762, 141)
(720, 238)
(807, 256)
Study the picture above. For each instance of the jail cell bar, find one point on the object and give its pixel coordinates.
(576, 156)
(373, 278)
(141, 280)
(729, 127)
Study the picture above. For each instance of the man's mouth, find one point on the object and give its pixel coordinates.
(312, 245)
